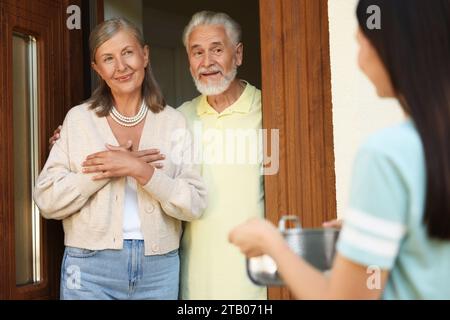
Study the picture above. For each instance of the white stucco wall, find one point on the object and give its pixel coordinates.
(357, 110)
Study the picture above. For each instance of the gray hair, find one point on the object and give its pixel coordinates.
(206, 18)
(106, 30)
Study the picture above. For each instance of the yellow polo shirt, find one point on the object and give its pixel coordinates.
(230, 154)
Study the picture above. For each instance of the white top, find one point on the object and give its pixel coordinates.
(131, 220)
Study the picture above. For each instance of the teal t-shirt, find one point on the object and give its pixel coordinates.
(383, 226)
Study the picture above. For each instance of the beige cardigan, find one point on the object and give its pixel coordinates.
(92, 211)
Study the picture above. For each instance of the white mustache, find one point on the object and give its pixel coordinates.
(209, 70)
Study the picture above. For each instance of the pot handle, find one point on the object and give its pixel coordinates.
(282, 222)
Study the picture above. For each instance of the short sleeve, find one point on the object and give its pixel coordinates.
(375, 221)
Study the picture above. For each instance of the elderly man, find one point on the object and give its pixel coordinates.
(229, 115)
(227, 109)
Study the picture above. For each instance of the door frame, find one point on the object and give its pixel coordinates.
(296, 100)
(60, 55)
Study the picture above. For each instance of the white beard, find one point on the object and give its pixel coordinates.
(214, 89)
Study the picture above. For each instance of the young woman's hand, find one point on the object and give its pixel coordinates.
(336, 223)
(256, 237)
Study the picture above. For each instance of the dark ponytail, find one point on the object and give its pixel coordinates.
(414, 45)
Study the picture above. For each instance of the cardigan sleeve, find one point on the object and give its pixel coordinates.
(61, 191)
(183, 196)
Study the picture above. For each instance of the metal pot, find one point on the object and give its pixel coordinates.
(316, 246)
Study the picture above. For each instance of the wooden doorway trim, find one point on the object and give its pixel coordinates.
(100, 11)
(296, 99)
(60, 68)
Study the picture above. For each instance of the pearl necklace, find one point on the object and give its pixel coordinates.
(129, 121)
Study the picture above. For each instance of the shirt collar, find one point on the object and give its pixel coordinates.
(205, 108)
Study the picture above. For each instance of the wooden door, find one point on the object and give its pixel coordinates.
(41, 63)
(296, 99)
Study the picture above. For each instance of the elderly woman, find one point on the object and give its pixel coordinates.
(113, 179)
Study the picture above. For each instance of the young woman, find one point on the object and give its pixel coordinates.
(394, 243)
(121, 206)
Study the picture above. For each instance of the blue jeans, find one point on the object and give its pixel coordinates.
(119, 274)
